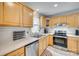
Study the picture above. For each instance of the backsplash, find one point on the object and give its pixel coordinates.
(6, 33)
(68, 29)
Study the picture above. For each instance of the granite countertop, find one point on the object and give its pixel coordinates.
(72, 35)
(11, 46)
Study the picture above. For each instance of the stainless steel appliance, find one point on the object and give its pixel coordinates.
(60, 38)
(45, 30)
(18, 35)
(77, 32)
(31, 49)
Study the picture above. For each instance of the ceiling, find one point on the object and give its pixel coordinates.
(47, 8)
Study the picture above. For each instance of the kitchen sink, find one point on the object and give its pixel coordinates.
(36, 35)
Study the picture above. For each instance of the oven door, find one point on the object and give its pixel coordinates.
(60, 41)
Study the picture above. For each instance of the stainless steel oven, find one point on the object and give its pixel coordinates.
(60, 38)
(60, 41)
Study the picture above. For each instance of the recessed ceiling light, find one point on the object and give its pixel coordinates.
(55, 5)
(37, 9)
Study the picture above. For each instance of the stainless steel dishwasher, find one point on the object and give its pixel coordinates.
(32, 49)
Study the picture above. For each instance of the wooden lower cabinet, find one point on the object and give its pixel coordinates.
(72, 44)
(50, 40)
(42, 45)
(18, 52)
(78, 45)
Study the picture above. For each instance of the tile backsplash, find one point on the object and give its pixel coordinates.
(68, 29)
(6, 33)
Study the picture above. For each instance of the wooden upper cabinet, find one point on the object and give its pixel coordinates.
(62, 19)
(1, 13)
(77, 20)
(12, 14)
(27, 17)
(71, 20)
(50, 22)
(43, 21)
(56, 20)
(53, 21)
(72, 44)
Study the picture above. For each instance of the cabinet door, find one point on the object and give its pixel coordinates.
(54, 21)
(77, 20)
(63, 20)
(40, 46)
(78, 44)
(44, 43)
(43, 21)
(18, 52)
(71, 20)
(72, 44)
(11, 14)
(51, 22)
(27, 17)
(1, 13)
(50, 40)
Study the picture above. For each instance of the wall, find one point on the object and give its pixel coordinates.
(68, 29)
(6, 33)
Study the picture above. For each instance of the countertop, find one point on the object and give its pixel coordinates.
(72, 35)
(4, 49)
(11, 46)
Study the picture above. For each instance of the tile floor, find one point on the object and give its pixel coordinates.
(57, 51)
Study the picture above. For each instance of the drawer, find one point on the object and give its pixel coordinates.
(17, 52)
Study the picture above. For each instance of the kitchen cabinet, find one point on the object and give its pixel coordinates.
(62, 19)
(50, 40)
(18, 52)
(71, 20)
(42, 45)
(57, 20)
(27, 17)
(78, 45)
(32, 49)
(54, 21)
(43, 21)
(12, 13)
(50, 22)
(72, 44)
(15, 14)
(76, 19)
(1, 13)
